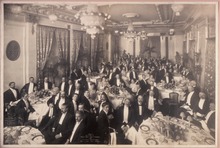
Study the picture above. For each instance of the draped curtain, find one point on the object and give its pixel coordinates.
(44, 43)
(210, 69)
(62, 38)
(77, 38)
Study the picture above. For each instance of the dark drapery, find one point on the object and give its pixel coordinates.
(52, 44)
(44, 43)
(210, 69)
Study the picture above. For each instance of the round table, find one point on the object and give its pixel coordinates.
(23, 135)
(164, 130)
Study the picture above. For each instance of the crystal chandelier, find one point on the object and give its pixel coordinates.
(177, 8)
(92, 20)
(131, 34)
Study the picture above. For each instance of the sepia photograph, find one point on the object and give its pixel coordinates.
(109, 73)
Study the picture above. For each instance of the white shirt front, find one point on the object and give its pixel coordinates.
(31, 88)
(201, 103)
(56, 98)
(167, 79)
(62, 118)
(75, 105)
(46, 86)
(69, 91)
(118, 82)
(140, 110)
(74, 130)
(62, 86)
(50, 114)
(110, 76)
(151, 103)
(125, 114)
(188, 101)
(208, 116)
(134, 76)
(14, 92)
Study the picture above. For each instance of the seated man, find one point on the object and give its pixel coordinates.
(125, 120)
(46, 84)
(103, 124)
(152, 104)
(29, 87)
(11, 98)
(23, 109)
(62, 127)
(208, 121)
(79, 129)
(140, 110)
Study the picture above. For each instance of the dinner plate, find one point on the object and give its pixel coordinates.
(24, 129)
(38, 139)
(155, 119)
(151, 141)
(195, 127)
(145, 128)
(210, 141)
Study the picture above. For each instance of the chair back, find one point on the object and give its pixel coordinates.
(174, 96)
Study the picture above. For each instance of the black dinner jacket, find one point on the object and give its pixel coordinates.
(9, 96)
(80, 131)
(194, 100)
(71, 91)
(103, 125)
(74, 76)
(65, 87)
(133, 76)
(120, 114)
(156, 92)
(156, 104)
(139, 118)
(205, 108)
(21, 105)
(49, 85)
(66, 127)
(26, 87)
(170, 77)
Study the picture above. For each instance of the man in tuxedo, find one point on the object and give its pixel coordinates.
(29, 87)
(23, 109)
(118, 81)
(49, 117)
(46, 84)
(190, 104)
(189, 74)
(152, 104)
(153, 88)
(79, 129)
(74, 75)
(133, 75)
(103, 124)
(62, 99)
(85, 100)
(143, 83)
(208, 121)
(63, 86)
(11, 96)
(125, 119)
(73, 104)
(168, 77)
(140, 110)
(61, 128)
(70, 89)
(111, 76)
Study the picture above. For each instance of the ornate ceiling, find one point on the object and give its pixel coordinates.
(151, 16)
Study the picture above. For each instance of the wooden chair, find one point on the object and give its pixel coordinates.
(173, 102)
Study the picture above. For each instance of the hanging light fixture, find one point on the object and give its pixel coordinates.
(177, 8)
(53, 17)
(131, 34)
(92, 20)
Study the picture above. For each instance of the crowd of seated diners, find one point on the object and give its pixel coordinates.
(75, 110)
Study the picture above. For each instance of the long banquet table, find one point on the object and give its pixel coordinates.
(23, 135)
(165, 130)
